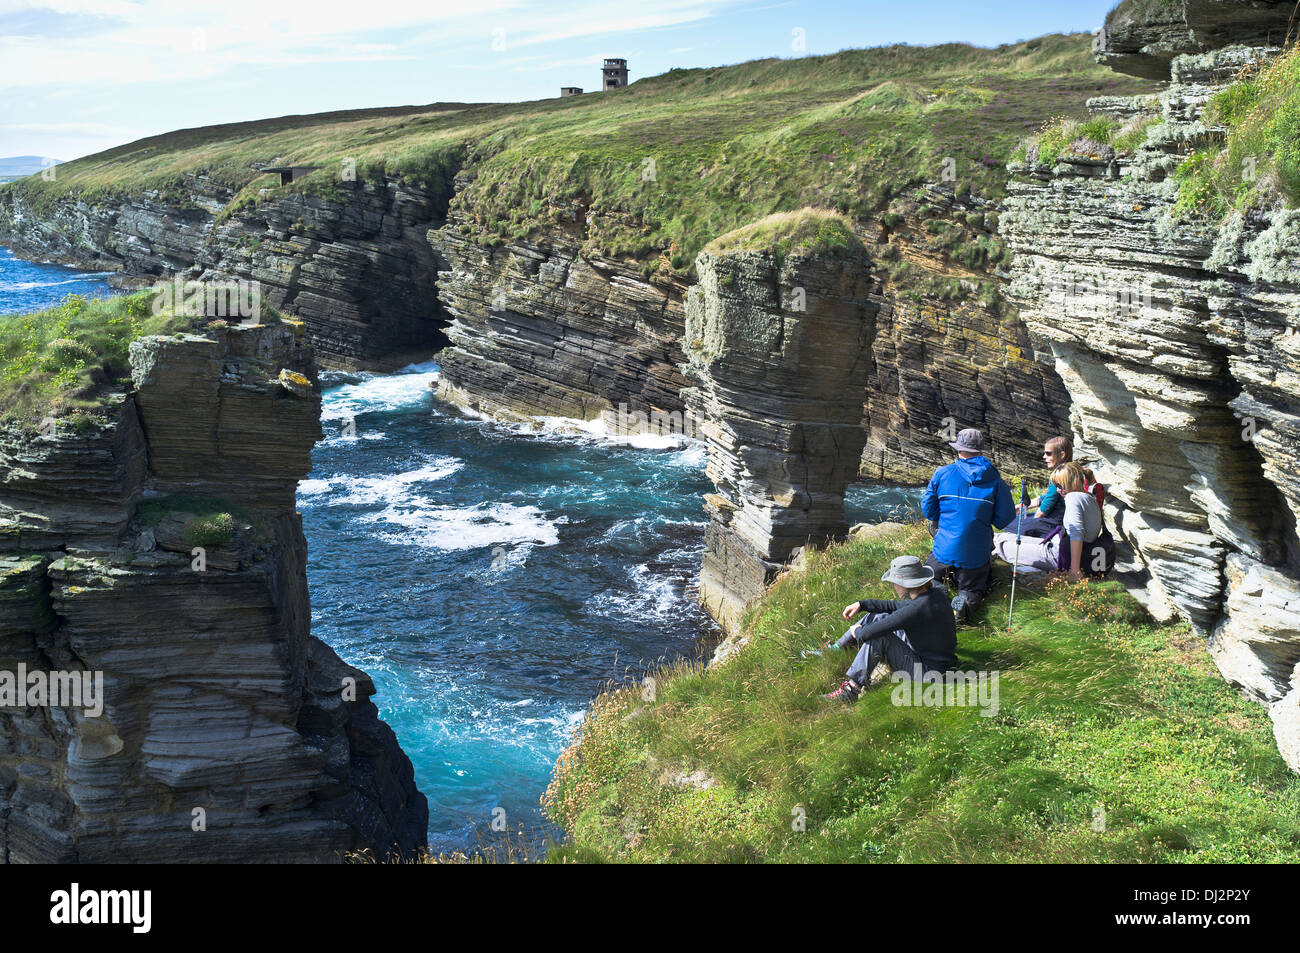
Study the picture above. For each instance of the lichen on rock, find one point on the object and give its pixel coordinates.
(1175, 337)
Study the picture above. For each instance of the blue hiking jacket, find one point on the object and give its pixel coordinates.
(967, 498)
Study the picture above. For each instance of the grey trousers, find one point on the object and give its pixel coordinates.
(892, 647)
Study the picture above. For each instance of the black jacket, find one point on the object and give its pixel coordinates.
(928, 621)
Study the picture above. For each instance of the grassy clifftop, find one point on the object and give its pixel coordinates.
(64, 361)
(1114, 740)
(672, 161)
(1257, 165)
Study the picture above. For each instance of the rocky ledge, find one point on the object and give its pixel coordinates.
(162, 551)
(1143, 37)
(1176, 339)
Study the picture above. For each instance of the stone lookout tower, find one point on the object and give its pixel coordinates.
(615, 74)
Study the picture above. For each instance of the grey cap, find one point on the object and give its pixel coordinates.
(971, 440)
(909, 572)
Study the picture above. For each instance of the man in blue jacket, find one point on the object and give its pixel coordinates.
(966, 500)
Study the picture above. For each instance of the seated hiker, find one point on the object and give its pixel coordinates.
(1081, 530)
(915, 634)
(964, 501)
(1050, 506)
(1046, 511)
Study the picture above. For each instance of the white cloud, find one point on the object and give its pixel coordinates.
(68, 62)
(157, 41)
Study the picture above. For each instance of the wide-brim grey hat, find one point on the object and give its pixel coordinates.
(909, 572)
(971, 440)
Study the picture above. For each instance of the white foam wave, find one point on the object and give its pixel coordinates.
(694, 455)
(334, 439)
(393, 488)
(409, 387)
(468, 527)
(30, 285)
(651, 596)
(572, 429)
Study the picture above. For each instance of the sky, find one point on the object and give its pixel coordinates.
(78, 76)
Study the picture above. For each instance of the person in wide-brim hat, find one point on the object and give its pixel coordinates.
(916, 633)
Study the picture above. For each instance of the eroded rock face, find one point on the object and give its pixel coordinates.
(780, 351)
(539, 329)
(1176, 341)
(220, 710)
(355, 267)
(383, 275)
(1142, 37)
(941, 366)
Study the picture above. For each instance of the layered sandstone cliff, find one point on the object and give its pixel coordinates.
(541, 329)
(1143, 37)
(1176, 339)
(779, 346)
(942, 363)
(351, 260)
(227, 732)
(386, 273)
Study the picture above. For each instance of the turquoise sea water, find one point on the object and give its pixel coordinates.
(492, 578)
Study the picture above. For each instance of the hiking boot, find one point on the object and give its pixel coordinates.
(959, 608)
(847, 693)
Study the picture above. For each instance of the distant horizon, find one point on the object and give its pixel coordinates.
(126, 70)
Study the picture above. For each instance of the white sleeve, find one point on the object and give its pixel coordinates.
(1074, 522)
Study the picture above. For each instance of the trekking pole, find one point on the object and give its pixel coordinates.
(1015, 567)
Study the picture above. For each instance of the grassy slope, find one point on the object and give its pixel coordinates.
(1115, 712)
(849, 131)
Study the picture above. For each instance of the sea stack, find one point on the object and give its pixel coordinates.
(778, 341)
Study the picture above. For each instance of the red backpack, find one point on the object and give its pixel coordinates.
(1097, 490)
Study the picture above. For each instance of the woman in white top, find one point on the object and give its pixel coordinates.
(1082, 522)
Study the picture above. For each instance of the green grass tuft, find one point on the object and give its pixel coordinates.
(1258, 163)
(64, 361)
(211, 529)
(207, 521)
(807, 230)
